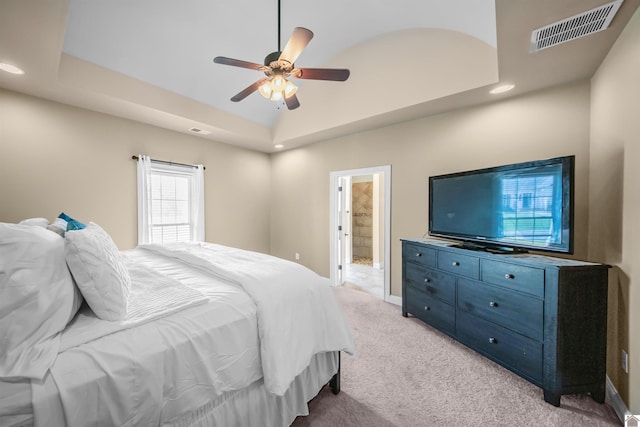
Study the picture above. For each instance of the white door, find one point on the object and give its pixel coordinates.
(342, 226)
(338, 240)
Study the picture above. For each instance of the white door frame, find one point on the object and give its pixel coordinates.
(334, 239)
(342, 231)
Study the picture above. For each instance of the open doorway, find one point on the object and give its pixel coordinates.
(364, 244)
(360, 229)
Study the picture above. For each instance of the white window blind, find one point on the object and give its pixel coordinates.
(170, 202)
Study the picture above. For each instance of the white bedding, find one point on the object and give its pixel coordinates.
(298, 315)
(153, 295)
(15, 404)
(156, 372)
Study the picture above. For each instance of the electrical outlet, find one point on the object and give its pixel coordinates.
(297, 256)
(625, 361)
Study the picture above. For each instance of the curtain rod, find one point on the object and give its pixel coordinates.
(164, 162)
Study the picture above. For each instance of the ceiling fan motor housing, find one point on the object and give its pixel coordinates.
(273, 56)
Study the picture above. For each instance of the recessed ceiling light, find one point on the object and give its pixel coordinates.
(10, 68)
(502, 88)
(278, 146)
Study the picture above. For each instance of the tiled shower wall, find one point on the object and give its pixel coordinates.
(362, 220)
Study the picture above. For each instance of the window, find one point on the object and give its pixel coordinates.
(527, 206)
(170, 202)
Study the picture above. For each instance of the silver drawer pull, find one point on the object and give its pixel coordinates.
(493, 304)
(427, 280)
(418, 254)
(492, 340)
(427, 308)
(509, 276)
(455, 263)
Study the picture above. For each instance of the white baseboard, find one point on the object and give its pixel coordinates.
(393, 299)
(616, 401)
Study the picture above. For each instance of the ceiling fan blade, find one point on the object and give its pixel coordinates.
(336, 74)
(236, 63)
(299, 39)
(248, 91)
(292, 102)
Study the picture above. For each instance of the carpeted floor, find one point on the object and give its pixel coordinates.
(405, 373)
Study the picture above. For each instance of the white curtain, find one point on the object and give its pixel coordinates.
(198, 203)
(144, 199)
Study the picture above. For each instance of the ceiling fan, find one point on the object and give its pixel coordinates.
(279, 67)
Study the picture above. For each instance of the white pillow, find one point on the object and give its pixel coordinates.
(37, 299)
(38, 222)
(99, 270)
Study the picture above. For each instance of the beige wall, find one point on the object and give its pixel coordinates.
(57, 158)
(542, 125)
(614, 202)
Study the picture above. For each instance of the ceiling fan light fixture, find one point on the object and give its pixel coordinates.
(290, 89)
(265, 89)
(278, 83)
(277, 89)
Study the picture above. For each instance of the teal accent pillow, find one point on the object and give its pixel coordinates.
(72, 224)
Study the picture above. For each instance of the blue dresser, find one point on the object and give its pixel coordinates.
(542, 317)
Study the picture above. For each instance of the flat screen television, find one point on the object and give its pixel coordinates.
(508, 208)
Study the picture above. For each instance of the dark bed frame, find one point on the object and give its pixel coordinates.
(334, 382)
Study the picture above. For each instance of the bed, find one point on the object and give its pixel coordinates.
(184, 334)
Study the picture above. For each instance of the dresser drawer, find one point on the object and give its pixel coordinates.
(419, 254)
(456, 263)
(515, 311)
(516, 352)
(432, 282)
(431, 310)
(518, 277)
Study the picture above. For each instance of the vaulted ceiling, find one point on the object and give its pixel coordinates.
(151, 60)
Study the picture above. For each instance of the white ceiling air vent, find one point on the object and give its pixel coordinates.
(574, 27)
(198, 130)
